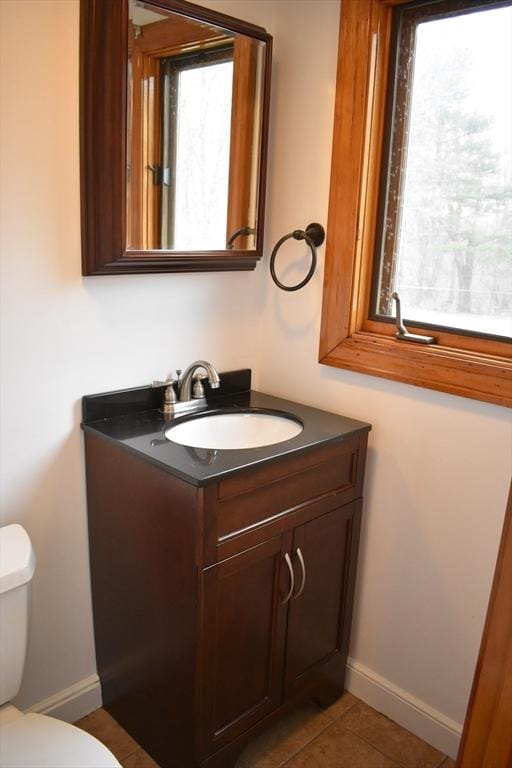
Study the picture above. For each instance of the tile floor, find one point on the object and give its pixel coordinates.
(347, 735)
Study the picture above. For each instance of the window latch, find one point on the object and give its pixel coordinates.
(161, 175)
(402, 333)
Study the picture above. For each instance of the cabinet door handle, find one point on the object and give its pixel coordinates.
(303, 566)
(292, 577)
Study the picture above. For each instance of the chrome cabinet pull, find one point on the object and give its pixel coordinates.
(303, 566)
(292, 577)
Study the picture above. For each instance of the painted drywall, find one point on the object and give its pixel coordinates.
(64, 336)
(438, 465)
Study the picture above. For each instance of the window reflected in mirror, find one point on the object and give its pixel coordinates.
(194, 110)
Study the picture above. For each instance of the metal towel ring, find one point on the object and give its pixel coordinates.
(314, 236)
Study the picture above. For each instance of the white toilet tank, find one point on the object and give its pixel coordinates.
(17, 563)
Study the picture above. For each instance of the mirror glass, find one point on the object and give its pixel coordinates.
(194, 115)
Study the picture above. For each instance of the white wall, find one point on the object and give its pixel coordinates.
(438, 465)
(64, 336)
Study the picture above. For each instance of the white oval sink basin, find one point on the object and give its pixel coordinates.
(234, 430)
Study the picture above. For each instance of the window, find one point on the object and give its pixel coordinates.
(194, 124)
(445, 239)
(420, 200)
(196, 114)
(180, 115)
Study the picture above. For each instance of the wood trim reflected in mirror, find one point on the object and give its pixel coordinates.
(103, 153)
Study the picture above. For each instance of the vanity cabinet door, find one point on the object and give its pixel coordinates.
(324, 560)
(243, 643)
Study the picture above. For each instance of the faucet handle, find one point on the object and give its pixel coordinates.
(165, 383)
(169, 394)
(198, 386)
(169, 380)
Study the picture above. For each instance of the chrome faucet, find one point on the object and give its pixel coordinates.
(185, 387)
(190, 390)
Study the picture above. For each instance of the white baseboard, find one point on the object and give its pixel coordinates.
(399, 705)
(72, 703)
(429, 724)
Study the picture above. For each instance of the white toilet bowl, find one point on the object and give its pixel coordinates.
(31, 740)
(38, 741)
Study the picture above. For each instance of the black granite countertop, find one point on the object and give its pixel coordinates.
(131, 419)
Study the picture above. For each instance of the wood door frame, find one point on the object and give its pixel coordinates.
(487, 735)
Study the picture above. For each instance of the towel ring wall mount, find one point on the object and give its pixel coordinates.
(314, 235)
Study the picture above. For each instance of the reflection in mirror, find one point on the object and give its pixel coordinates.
(194, 111)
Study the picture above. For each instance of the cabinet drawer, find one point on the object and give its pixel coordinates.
(261, 497)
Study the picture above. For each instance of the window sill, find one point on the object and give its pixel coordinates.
(468, 374)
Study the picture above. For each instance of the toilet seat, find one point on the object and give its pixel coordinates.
(39, 741)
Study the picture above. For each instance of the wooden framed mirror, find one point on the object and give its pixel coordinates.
(174, 103)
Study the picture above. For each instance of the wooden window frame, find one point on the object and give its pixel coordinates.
(160, 41)
(460, 364)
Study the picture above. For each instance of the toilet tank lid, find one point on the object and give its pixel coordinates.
(17, 559)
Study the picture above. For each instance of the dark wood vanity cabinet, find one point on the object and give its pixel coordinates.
(259, 650)
(319, 619)
(217, 608)
(243, 648)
